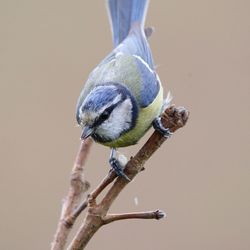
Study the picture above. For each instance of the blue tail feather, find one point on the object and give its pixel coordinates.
(123, 14)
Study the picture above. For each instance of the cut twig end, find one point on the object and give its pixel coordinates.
(159, 214)
(175, 118)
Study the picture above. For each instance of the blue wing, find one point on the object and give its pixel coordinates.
(150, 83)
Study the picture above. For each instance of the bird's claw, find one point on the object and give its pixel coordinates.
(158, 126)
(116, 166)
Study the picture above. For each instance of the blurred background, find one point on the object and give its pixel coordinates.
(200, 177)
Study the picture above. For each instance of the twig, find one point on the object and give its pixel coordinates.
(173, 118)
(105, 182)
(158, 214)
(78, 186)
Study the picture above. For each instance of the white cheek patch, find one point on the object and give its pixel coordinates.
(120, 120)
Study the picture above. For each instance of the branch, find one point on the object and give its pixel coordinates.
(78, 186)
(173, 118)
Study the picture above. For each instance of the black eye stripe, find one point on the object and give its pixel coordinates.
(105, 114)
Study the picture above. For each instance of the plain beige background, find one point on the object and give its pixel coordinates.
(200, 177)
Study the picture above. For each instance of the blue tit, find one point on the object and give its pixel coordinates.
(123, 95)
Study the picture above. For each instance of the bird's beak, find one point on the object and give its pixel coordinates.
(86, 132)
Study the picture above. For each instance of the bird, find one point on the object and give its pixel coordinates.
(123, 96)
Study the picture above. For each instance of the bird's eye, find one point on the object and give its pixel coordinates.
(104, 115)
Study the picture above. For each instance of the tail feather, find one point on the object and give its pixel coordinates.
(123, 14)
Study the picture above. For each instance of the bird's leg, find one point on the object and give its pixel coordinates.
(157, 124)
(116, 165)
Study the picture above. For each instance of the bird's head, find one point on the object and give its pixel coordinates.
(107, 112)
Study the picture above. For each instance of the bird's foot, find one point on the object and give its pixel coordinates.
(117, 166)
(158, 126)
